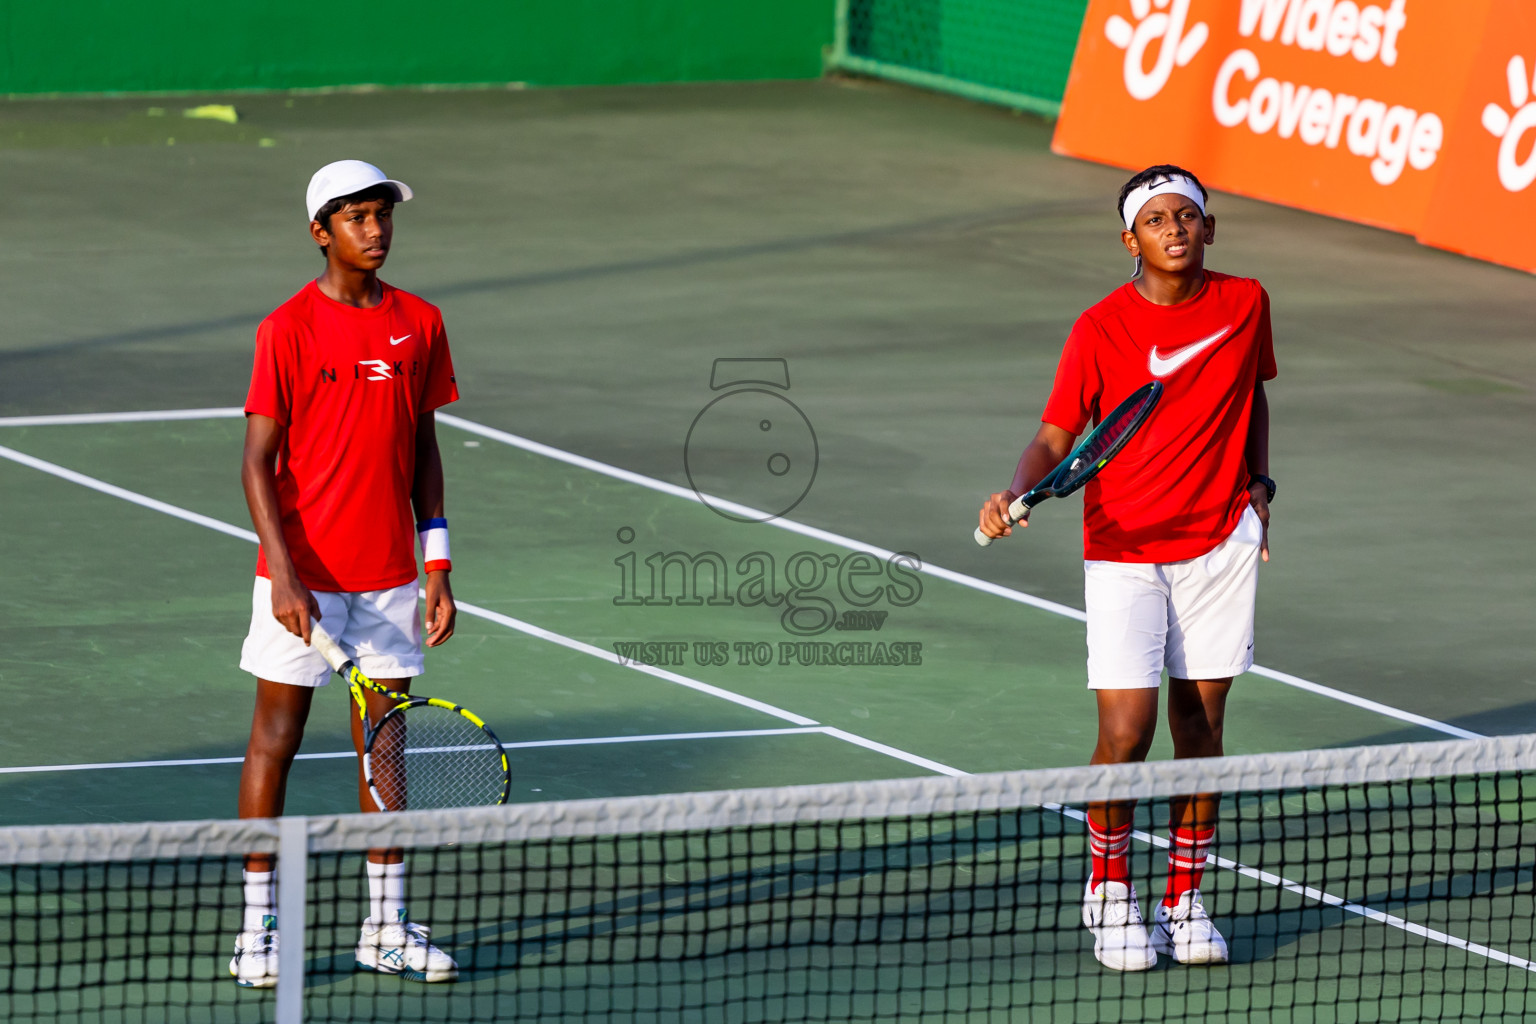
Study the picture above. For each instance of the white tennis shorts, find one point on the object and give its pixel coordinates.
(378, 629)
(1194, 618)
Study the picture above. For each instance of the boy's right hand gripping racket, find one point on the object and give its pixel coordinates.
(423, 752)
(1084, 462)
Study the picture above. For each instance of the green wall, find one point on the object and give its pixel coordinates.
(155, 45)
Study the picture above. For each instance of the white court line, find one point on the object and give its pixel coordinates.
(901, 755)
(126, 495)
(661, 737)
(152, 416)
(588, 741)
(1298, 888)
(660, 673)
(628, 476)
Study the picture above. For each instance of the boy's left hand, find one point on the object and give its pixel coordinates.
(441, 611)
(1258, 497)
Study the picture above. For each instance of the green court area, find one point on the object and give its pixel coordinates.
(914, 262)
(554, 573)
(157, 659)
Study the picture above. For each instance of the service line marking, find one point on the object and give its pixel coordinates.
(330, 755)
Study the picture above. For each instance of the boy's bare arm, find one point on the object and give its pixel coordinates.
(1051, 444)
(1257, 452)
(427, 500)
(292, 603)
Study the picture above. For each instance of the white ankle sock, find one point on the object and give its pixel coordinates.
(386, 893)
(260, 900)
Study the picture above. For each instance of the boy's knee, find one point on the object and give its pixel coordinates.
(1124, 741)
(1194, 735)
(279, 743)
(277, 736)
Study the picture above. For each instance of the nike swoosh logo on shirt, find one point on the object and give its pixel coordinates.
(395, 341)
(1162, 366)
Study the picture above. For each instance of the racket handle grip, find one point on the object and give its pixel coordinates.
(1018, 512)
(321, 641)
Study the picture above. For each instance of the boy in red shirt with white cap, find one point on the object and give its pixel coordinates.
(1173, 531)
(340, 448)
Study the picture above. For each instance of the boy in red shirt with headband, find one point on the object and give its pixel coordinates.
(1173, 531)
(340, 447)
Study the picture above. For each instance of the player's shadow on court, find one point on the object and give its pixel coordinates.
(978, 884)
(1465, 907)
(1512, 720)
(977, 889)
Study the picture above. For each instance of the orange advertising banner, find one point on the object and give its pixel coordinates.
(1340, 107)
(1484, 202)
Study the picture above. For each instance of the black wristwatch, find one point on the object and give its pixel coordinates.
(1269, 485)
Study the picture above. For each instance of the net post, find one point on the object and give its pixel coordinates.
(839, 35)
(292, 876)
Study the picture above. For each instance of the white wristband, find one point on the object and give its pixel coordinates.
(433, 534)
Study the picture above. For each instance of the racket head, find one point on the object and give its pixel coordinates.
(1108, 438)
(426, 753)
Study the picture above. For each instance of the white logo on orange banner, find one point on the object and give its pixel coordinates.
(1391, 137)
(1178, 47)
(1514, 175)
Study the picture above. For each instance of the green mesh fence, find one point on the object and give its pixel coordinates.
(1013, 52)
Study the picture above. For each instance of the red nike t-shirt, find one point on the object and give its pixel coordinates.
(349, 384)
(1180, 485)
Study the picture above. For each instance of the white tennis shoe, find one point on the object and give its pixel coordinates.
(255, 961)
(1120, 940)
(1185, 932)
(402, 948)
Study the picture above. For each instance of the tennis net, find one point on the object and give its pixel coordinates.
(1373, 883)
(1016, 53)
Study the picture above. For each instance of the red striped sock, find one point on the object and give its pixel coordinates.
(1188, 849)
(1108, 853)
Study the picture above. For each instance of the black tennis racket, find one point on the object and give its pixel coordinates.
(423, 753)
(1091, 455)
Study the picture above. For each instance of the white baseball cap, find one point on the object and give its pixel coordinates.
(343, 178)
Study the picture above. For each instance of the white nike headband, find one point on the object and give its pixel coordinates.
(1177, 184)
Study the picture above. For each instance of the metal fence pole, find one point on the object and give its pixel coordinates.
(840, 33)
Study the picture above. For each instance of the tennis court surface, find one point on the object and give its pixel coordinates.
(597, 254)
